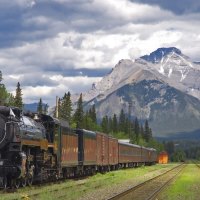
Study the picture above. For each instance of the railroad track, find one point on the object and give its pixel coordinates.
(149, 189)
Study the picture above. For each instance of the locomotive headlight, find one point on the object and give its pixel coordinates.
(1, 163)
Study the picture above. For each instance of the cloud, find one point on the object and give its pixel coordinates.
(63, 84)
(179, 6)
(80, 41)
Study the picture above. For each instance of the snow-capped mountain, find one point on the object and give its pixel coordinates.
(168, 93)
(166, 64)
(158, 55)
(177, 70)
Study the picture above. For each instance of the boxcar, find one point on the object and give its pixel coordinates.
(153, 156)
(129, 154)
(69, 153)
(145, 155)
(102, 148)
(113, 153)
(87, 154)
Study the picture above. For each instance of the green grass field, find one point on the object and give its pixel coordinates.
(185, 187)
(72, 190)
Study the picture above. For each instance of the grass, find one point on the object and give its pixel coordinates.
(185, 187)
(72, 190)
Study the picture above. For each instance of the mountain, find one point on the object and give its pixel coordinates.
(163, 87)
(159, 54)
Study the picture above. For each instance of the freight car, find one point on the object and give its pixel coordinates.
(131, 155)
(37, 147)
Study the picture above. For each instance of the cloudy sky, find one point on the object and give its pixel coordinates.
(55, 46)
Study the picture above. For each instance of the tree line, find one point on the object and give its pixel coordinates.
(8, 99)
(118, 126)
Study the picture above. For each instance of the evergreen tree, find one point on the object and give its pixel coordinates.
(110, 125)
(3, 92)
(40, 107)
(169, 147)
(86, 121)
(122, 119)
(93, 114)
(105, 125)
(126, 130)
(66, 107)
(147, 131)
(1, 77)
(115, 123)
(46, 109)
(79, 114)
(137, 130)
(18, 97)
(59, 108)
(142, 131)
(11, 100)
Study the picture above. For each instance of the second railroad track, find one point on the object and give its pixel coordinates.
(149, 189)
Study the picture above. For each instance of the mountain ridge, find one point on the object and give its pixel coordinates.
(171, 72)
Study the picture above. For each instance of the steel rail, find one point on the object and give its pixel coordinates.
(159, 190)
(122, 194)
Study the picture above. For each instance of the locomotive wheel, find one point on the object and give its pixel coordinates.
(16, 183)
(29, 180)
(23, 182)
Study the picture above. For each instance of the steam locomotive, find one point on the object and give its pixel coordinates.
(38, 148)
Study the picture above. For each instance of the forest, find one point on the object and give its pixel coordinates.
(121, 127)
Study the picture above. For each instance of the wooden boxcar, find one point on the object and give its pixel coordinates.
(87, 151)
(145, 155)
(113, 153)
(69, 153)
(129, 154)
(102, 149)
(153, 156)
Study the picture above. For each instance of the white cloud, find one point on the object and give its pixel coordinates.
(96, 35)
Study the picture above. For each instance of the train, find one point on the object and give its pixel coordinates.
(39, 148)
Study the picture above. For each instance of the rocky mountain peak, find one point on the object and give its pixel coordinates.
(158, 55)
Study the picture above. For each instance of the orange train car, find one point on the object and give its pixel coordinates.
(163, 157)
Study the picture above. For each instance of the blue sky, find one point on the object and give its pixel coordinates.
(55, 46)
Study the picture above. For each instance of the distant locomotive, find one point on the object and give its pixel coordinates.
(38, 147)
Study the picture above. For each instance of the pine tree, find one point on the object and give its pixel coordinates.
(115, 123)
(122, 119)
(59, 108)
(11, 100)
(45, 111)
(137, 130)
(1, 76)
(142, 131)
(86, 121)
(79, 114)
(40, 107)
(93, 114)
(126, 130)
(105, 125)
(132, 134)
(66, 107)
(3, 92)
(147, 132)
(18, 97)
(110, 125)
